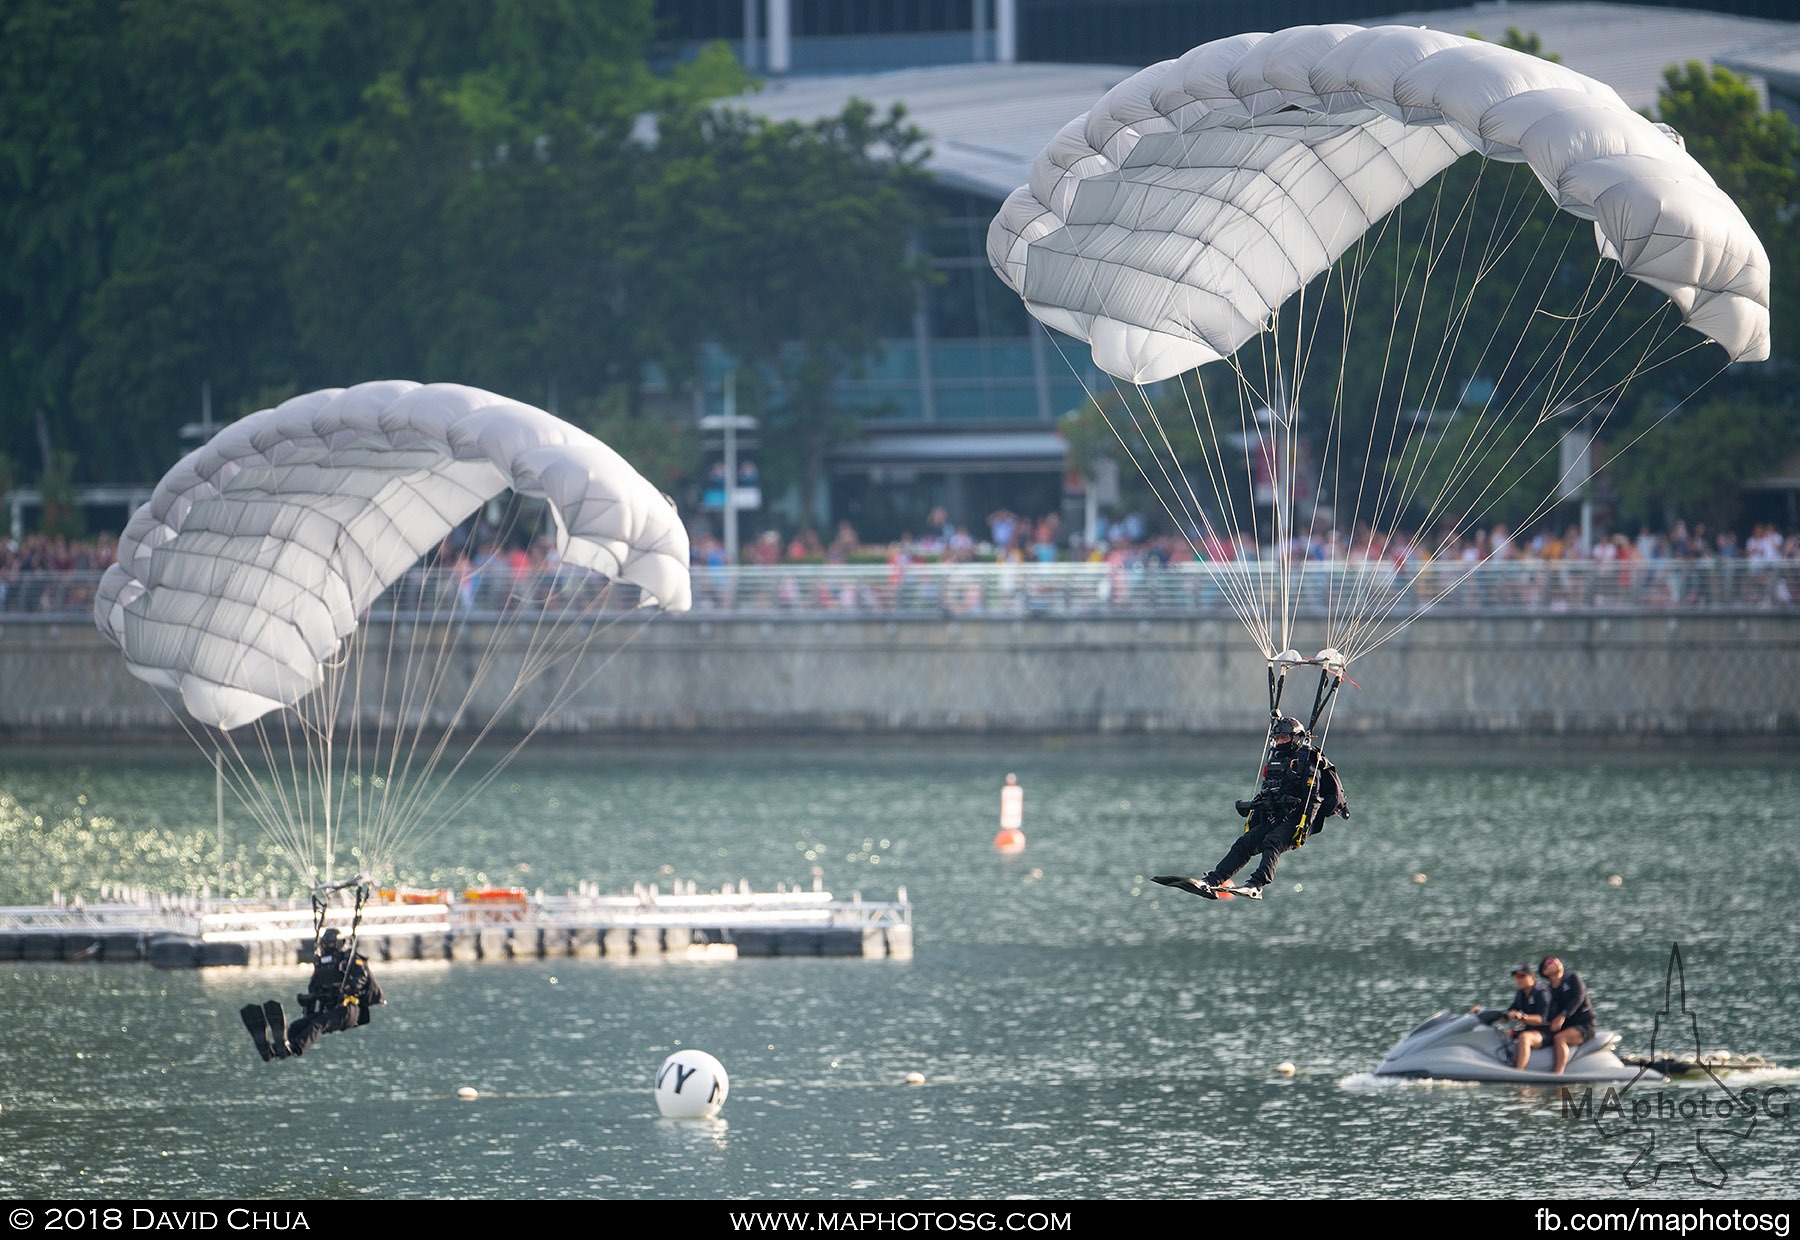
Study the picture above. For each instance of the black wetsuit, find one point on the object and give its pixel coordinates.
(338, 996)
(1276, 809)
(1569, 1000)
(1533, 1002)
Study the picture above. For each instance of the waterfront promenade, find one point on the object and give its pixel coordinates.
(1641, 650)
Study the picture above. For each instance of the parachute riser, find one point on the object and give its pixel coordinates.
(1329, 682)
(1277, 682)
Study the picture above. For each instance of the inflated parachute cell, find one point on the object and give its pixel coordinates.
(258, 552)
(1167, 224)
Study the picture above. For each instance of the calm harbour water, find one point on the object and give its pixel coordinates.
(1083, 1033)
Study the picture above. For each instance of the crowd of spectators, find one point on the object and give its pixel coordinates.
(1545, 568)
(1009, 538)
(48, 573)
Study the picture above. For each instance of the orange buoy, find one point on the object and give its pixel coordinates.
(1011, 837)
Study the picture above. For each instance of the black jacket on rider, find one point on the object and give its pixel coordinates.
(1569, 1000)
(1275, 811)
(1534, 1001)
(338, 996)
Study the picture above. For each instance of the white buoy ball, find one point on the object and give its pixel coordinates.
(691, 1085)
(1616, 881)
(1419, 878)
(915, 1078)
(1285, 1068)
(467, 1091)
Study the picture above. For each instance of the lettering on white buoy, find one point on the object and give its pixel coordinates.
(467, 1091)
(1011, 837)
(1285, 1068)
(691, 1085)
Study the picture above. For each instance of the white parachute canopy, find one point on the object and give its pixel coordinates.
(1166, 225)
(1267, 221)
(240, 579)
(248, 588)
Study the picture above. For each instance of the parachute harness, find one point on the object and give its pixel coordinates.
(361, 889)
(1331, 678)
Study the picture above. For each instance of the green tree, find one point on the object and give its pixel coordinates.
(1695, 459)
(1750, 152)
(193, 297)
(269, 200)
(1754, 156)
(1532, 43)
(793, 246)
(1695, 462)
(106, 111)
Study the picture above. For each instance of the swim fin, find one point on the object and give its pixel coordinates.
(257, 1024)
(277, 1028)
(1195, 886)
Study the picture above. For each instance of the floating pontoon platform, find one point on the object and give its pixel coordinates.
(496, 924)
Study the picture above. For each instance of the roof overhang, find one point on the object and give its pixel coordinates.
(986, 121)
(954, 452)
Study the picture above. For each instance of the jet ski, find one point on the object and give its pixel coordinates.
(1470, 1046)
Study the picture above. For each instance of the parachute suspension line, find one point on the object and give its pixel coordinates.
(1547, 502)
(1412, 287)
(1284, 463)
(1132, 453)
(425, 662)
(1349, 278)
(1246, 602)
(437, 634)
(1193, 516)
(422, 794)
(282, 820)
(560, 697)
(413, 790)
(1228, 576)
(1235, 590)
(218, 744)
(1307, 333)
(1258, 449)
(1571, 371)
(1404, 279)
(434, 633)
(1502, 234)
(564, 694)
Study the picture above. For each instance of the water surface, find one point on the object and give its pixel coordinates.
(1082, 1032)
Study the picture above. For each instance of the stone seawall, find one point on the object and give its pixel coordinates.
(1574, 674)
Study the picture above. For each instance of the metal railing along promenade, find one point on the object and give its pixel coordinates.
(1132, 588)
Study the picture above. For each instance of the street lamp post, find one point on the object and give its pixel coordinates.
(730, 423)
(203, 429)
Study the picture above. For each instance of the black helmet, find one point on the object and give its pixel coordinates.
(1287, 726)
(329, 941)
